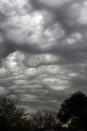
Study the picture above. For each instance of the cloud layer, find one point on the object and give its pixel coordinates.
(43, 50)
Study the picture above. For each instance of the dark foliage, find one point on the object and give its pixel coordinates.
(12, 116)
(74, 111)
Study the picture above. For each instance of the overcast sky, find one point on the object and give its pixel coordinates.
(43, 51)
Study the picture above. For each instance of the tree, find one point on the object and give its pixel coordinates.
(74, 111)
(43, 119)
(11, 114)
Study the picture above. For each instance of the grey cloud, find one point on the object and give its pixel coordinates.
(49, 62)
(63, 13)
(3, 17)
(20, 80)
(68, 20)
(7, 47)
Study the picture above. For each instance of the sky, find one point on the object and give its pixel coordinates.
(43, 51)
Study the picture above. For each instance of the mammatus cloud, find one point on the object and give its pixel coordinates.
(43, 50)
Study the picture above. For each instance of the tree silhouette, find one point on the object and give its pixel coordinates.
(11, 114)
(43, 119)
(74, 111)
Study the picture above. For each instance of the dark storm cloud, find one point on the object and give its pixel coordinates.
(43, 51)
(71, 53)
(65, 15)
(2, 17)
(7, 47)
(61, 15)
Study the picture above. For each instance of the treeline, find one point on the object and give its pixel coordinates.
(72, 116)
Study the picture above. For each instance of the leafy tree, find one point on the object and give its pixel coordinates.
(74, 111)
(11, 114)
(43, 119)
